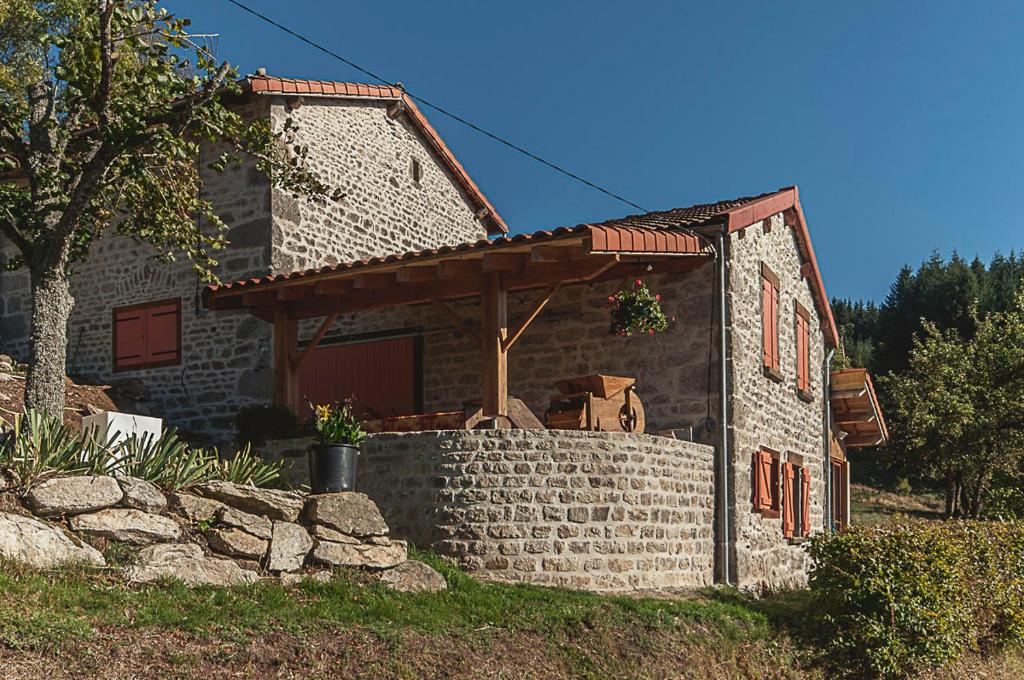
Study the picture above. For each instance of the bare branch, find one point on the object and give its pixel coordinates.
(9, 228)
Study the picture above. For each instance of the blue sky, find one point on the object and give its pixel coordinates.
(902, 123)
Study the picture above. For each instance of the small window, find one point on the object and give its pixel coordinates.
(147, 335)
(770, 321)
(766, 483)
(416, 170)
(796, 501)
(803, 351)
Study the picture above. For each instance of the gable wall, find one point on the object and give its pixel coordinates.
(353, 145)
(766, 412)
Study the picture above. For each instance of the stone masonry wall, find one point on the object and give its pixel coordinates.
(767, 412)
(570, 338)
(355, 146)
(598, 511)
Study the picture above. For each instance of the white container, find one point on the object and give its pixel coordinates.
(110, 427)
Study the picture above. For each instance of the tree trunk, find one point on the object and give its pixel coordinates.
(951, 492)
(51, 307)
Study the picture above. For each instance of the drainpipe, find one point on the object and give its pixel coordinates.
(723, 464)
(827, 386)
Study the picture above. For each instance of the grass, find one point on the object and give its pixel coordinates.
(870, 506)
(553, 632)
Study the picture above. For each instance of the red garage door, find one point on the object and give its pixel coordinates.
(381, 376)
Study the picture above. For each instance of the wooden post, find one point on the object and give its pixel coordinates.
(495, 359)
(286, 343)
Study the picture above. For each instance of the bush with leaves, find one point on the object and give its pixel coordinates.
(898, 598)
(636, 311)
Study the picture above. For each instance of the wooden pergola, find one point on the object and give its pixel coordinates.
(544, 261)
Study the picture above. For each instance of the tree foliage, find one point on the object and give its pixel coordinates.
(946, 344)
(103, 107)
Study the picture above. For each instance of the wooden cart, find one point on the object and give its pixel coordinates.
(605, 403)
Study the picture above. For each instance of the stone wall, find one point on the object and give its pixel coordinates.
(599, 511)
(355, 146)
(768, 412)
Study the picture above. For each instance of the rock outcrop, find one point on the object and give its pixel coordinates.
(350, 513)
(271, 503)
(42, 545)
(186, 563)
(222, 534)
(413, 576)
(73, 495)
(127, 525)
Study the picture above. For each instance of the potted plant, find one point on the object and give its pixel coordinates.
(637, 310)
(332, 463)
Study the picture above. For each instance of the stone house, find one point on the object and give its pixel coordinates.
(408, 295)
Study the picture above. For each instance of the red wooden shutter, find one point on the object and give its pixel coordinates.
(805, 501)
(762, 480)
(129, 337)
(803, 359)
(162, 342)
(788, 511)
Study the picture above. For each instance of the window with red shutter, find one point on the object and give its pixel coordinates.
(805, 502)
(789, 500)
(766, 483)
(770, 320)
(803, 351)
(147, 335)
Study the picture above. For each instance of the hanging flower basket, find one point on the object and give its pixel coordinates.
(637, 311)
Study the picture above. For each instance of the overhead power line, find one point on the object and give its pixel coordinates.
(435, 107)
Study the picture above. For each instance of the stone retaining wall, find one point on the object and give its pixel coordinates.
(600, 511)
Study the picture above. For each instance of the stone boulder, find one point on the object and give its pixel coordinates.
(142, 495)
(413, 576)
(237, 543)
(360, 555)
(195, 508)
(127, 525)
(186, 563)
(73, 495)
(325, 533)
(260, 527)
(40, 545)
(349, 512)
(289, 546)
(272, 503)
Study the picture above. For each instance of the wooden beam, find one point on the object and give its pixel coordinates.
(457, 321)
(539, 305)
(333, 287)
(494, 305)
(504, 262)
(294, 292)
(383, 280)
(558, 253)
(417, 274)
(806, 270)
(286, 331)
(315, 340)
(457, 269)
(854, 418)
(537, 275)
(863, 440)
(848, 394)
(259, 299)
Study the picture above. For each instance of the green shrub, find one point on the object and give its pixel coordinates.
(898, 598)
(257, 424)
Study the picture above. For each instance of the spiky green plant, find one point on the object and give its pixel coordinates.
(38, 445)
(246, 468)
(166, 461)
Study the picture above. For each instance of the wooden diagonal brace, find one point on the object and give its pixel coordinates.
(538, 306)
(456, 321)
(317, 337)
